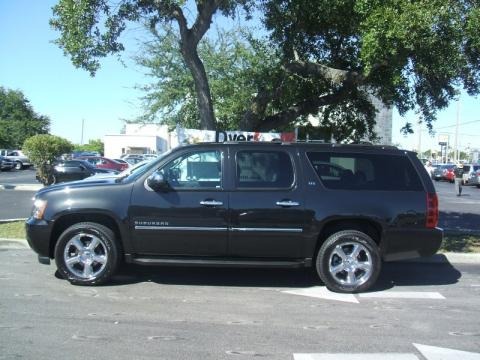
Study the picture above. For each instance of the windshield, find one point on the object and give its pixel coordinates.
(140, 168)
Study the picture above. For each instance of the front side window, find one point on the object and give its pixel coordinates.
(264, 169)
(351, 171)
(194, 171)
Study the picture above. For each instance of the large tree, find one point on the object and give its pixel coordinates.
(332, 55)
(90, 29)
(18, 120)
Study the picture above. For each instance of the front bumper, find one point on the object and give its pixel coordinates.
(38, 237)
(408, 244)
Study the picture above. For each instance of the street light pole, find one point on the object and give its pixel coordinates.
(420, 137)
(456, 131)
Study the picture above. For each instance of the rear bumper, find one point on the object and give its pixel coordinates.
(38, 237)
(407, 244)
(473, 181)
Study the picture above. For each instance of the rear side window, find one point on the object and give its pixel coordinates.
(351, 171)
(264, 169)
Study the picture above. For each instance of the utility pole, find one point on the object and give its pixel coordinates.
(81, 138)
(419, 147)
(456, 131)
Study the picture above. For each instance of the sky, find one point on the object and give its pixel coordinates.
(31, 63)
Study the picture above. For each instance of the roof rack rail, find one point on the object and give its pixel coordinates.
(312, 141)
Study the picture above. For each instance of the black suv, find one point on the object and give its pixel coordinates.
(339, 208)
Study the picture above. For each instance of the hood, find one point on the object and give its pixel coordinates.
(94, 182)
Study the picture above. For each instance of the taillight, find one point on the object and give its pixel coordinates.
(432, 210)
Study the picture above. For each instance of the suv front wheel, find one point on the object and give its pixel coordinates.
(348, 261)
(87, 254)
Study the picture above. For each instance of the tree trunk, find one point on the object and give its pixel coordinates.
(202, 88)
(188, 45)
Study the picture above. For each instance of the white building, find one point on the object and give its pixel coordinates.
(138, 139)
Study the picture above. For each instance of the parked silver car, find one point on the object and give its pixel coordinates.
(471, 174)
(19, 159)
(6, 164)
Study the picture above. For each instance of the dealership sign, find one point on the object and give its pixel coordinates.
(193, 136)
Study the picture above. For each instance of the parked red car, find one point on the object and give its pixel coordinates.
(104, 163)
(448, 174)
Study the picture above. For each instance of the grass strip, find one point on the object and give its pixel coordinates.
(461, 243)
(12, 230)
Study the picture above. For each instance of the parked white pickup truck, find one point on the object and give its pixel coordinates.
(20, 160)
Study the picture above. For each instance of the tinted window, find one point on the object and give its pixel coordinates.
(264, 169)
(195, 170)
(365, 171)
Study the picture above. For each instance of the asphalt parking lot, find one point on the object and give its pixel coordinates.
(417, 311)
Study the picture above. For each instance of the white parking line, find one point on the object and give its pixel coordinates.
(438, 353)
(403, 295)
(385, 356)
(321, 292)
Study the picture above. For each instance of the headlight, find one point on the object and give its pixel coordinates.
(39, 207)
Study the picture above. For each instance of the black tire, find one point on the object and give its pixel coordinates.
(18, 165)
(92, 250)
(337, 278)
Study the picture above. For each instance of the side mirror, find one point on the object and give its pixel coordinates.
(157, 182)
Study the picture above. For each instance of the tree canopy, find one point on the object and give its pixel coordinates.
(414, 55)
(96, 145)
(323, 58)
(18, 120)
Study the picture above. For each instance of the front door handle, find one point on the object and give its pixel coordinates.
(211, 203)
(287, 203)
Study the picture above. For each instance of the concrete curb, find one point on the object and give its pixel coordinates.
(5, 221)
(13, 244)
(21, 187)
(443, 258)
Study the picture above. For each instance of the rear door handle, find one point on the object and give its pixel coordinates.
(287, 203)
(211, 203)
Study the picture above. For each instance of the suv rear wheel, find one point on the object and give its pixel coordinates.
(87, 254)
(348, 261)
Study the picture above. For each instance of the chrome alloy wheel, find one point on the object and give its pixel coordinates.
(85, 255)
(350, 263)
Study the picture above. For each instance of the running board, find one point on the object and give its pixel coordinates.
(254, 263)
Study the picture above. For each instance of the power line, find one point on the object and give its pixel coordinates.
(465, 123)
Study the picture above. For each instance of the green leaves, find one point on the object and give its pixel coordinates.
(90, 29)
(18, 120)
(236, 67)
(44, 149)
(92, 146)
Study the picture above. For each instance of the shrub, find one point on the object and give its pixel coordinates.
(42, 151)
